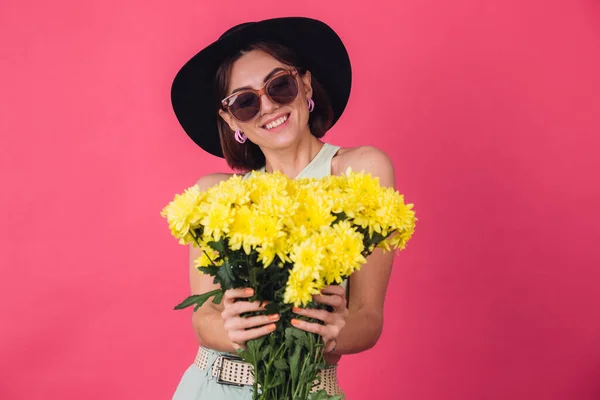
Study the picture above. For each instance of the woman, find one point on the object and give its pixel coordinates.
(262, 96)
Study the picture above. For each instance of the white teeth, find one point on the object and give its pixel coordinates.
(276, 123)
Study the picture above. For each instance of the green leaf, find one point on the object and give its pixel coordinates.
(281, 364)
(301, 337)
(265, 352)
(225, 276)
(256, 344)
(320, 395)
(297, 333)
(191, 300)
(217, 299)
(199, 304)
(289, 337)
(245, 355)
(219, 246)
(211, 270)
(253, 347)
(272, 308)
(197, 299)
(377, 238)
(253, 278)
(294, 361)
(279, 379)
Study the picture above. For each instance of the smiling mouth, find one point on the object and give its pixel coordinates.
(277, 122)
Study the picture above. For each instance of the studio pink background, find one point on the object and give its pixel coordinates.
(489, 110)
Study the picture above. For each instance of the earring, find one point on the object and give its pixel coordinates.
(240, 136)
(311, 105)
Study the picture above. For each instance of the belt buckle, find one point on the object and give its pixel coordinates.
(220, 369)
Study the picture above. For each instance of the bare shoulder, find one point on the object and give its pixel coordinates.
(210, 180)
(365, 158)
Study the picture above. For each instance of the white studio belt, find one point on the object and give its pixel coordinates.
(232, 370)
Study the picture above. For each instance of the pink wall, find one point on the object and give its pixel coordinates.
(490, 112)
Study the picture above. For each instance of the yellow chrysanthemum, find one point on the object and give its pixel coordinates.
(361, 195)
(231, 192)
(341, 202)
(259, 227)
(307, 257)
(208, 258)
(295, 221)
(347, 246)
(404, 231)
(298, 233)
(332, 269)
(266, 231)
(405, 217)
(278, 206)
(335, 182)
(241, 229)
(282, 248)
(300, 288)
(217, 220)
(268, 252)
(262, 184)
(184, 214)
(305, 278)
(313, 210)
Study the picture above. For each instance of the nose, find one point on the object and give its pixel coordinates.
(266, 105)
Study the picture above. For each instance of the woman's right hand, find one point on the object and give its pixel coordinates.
(240, 329)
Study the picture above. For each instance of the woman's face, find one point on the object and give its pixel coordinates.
(251, 70)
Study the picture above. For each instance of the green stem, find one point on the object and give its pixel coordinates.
(204, 251)
(302, 387)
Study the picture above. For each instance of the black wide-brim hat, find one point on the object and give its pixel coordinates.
(319, 49)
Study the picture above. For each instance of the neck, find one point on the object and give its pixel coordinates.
(293, 159)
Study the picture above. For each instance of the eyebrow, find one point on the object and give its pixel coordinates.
(276, 70)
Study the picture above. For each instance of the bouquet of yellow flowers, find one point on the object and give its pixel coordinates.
(287, 239)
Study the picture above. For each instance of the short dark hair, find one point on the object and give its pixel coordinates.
(248, 156)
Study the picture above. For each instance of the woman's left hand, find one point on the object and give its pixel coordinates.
(334, 321)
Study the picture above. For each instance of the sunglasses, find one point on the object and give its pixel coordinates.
(281, 88)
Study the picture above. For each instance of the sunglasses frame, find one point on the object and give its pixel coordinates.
(260, 92)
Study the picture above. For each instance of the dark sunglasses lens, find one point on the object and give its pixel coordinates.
(245, 106)
(283, 89)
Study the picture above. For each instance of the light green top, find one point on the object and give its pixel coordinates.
(318, 167)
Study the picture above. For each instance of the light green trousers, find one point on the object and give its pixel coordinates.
(197, 384)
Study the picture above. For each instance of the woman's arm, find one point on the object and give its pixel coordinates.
(368, 286)
(364, 323)
(220, 326)
(207, 321)
(358, 327)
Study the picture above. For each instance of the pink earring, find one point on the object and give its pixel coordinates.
(311, 105)
(240, 136)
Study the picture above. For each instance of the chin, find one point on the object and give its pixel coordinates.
(282, 139)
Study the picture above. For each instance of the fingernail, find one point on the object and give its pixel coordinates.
(273, 317)
(271, 327)
(296, 309)
(249, 291)
(295, 322)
